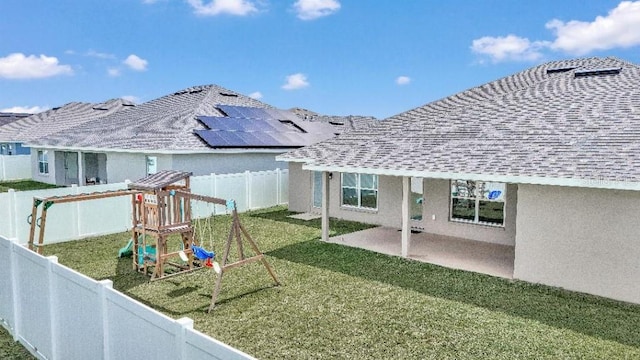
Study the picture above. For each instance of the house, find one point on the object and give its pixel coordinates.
(12, 148)
(201, 129)
(340, 124)
(15, 134)
(546, 161)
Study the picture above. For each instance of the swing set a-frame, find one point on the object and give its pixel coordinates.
(161, 205)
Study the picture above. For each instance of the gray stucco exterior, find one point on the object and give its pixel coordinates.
(580, 239)
(121, 166)
(389, 212)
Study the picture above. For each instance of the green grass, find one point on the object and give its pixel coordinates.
(10, 349)
(341, 302)
(24, 185)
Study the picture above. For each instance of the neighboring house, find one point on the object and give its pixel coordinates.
(340, 124)
(546, 160)
(202, 129)
(12, 148)
(48, 122)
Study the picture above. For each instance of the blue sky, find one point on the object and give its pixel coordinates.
(335, 57)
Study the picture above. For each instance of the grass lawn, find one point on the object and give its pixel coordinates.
(10, 349)
(341, 302)
(24, 185)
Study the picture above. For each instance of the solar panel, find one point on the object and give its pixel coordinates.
(260, 127)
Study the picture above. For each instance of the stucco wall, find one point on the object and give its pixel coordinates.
(436, 200)
(49, 178)
(205, 164)
(126, 166)
(300, 188)
(579, 239)
(437, 194)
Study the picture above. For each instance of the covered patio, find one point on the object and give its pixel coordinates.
(486, 258)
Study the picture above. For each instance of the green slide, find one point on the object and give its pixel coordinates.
(127, 250)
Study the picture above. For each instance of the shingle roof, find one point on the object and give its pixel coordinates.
(58, 119)
(7, 118)
(531, 124)
(166, 123)
(340, 124)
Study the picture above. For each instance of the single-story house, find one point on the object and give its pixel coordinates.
(26, 129)
(10, 147)
(546, 161)
(201, 129)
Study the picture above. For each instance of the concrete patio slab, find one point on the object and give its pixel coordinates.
(447, 251)
(305, 216)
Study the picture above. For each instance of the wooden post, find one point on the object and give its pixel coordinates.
(34, 219)
(406, 206)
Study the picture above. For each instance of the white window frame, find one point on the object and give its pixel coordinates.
(155, 164)
(359, 189)
(477, 198)
(43, 162)
(315, 189)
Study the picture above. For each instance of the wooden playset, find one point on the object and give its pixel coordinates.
(161, 208)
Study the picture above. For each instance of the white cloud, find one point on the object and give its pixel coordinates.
(510, 47)
(217, 7)
(313, 9)
(99, 55)
(19, 66)
(620, 28)
(25, 109)
(136, 63)
(113, 72)
(403, 80)
(295, 81)
(256, 95)
(132, 98)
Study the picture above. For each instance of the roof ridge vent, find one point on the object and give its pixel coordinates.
(102, 108)
(560, 69)
(228, 94)
(597, 72)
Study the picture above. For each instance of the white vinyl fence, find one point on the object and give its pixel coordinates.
(15, 167)
(75, 220)
(57, 313)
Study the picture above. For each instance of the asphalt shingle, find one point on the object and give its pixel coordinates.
(530, 124)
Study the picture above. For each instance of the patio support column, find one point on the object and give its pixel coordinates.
(406, 206)
(80, 170)
(325, 206)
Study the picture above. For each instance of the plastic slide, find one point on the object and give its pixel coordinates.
(127, 250)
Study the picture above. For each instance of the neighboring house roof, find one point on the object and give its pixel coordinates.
(168, 124)
(557, 123)
(250, 127)
(58, 119)
(340, 124)
(7, 118)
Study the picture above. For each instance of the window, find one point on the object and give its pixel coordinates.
(478, 202)
(152, 165)
(317, 189)
(43, 161)
(360, 190)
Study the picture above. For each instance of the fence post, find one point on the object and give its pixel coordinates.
(183, 324)
(15, 290)
(104, 285)
(278, 186)
(4, 168)
(53, 305)
(75, 213)
(13, 216)
(213, 184)
(247, 181)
